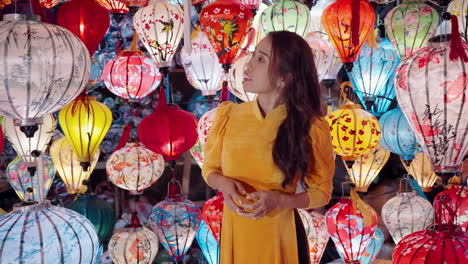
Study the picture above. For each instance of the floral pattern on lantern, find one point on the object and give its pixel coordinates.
(286, 15)
(204, 125)
(317, 235)
(44, 234)
(160, 26)
(456, 198)
(236, 80)
(421, 170)
(367, 167)
(134, 167)
(405, 214)
(212, 214)
(410, 25)
(208, 243)
(43, 83)
(198, 154)
(21, 180)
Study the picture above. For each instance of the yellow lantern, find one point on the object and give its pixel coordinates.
(366, 167)
(422, 171)
(68, 167)
(85, 122)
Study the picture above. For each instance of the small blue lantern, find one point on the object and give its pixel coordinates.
(371, 74)
(373, 248)
(208, 244)
(397, 135)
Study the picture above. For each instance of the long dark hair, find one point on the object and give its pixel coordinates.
(293, 61)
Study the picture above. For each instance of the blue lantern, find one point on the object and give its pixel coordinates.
(373, 248)
(208, 244)
(371, 74)
(397, 135)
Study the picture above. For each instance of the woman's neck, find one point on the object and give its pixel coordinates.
(267, 103)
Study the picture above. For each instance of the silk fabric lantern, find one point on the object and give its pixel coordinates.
(338, 24)
(204, 125)
(431, 91)
(208, 244)
(114, 6)
(212, 214)
(410, 25)
(43, 83)
(176, 130)
(421, 170)
(160, 26)
(324, 56)
(367, 167)
(134, 167)
(85, 123)
(317, 235)
(236, 80)
(456, 198)
(198, 154)
(45, 234)
(316, 12)
(397, 135)
(459, 8)
(68, 166)
(286, 15)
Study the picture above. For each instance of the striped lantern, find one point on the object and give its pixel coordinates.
(421, 170)
(55, 72)
(47, 234)
(208, 243)
(317, 235)
(286, 15)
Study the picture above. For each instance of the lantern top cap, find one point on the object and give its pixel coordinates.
(31, 206)
(20, 17)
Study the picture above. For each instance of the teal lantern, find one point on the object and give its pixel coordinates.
(99, 213)
(370, 76)
(397, 135)
(208, 243)
(286, 15)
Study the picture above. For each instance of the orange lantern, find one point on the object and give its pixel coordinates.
(114, 6)
(347, 24)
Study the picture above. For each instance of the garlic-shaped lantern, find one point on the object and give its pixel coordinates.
(422, 171)
(317, 235)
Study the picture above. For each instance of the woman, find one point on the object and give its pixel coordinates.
(271, 156)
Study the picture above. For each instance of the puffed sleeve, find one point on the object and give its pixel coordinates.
(322, 169)
(214, 143)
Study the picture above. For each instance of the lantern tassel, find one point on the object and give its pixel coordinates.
(355, 17)
(125, 136)
(362, 207)
(224, 92)
(162, 101)
(456, 45)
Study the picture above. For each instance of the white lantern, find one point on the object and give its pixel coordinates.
(236, 79)
(316, 16)
(317, 235)
(326, 59)
(44, 67)
(204, 125)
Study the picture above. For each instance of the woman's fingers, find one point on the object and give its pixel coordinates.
(233, 206)
(240, 188)
(253, 206)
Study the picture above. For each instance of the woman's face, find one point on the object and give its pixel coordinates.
(256, 72)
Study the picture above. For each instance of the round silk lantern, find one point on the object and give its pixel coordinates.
(456, 198)
(168, 131)
(317, 235)
(406, 213)
(370, 74)
(212, 214)
(410, 25)
(160, 26)
(99, 212)
(56, 71)
(431, 91)
(208, 244)
(351, 224)
(86, 19)
(236, 80)
(114, 6)
(286, 15)
(133, 245)
(397, 135)
(68, 166)
(367, 167)
(204, 125)
(347, 34)
(44, 234)
(201, 64)
(134, 167)
(421, 170)
(85, 122)
(27, 186)
(459, 8)
(374, 247)
(24, 145)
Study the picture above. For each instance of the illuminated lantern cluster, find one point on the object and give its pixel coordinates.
(212, 214)
(208, 243)
(421, 170)
(455, 198)
(286, 15)
(317, 235)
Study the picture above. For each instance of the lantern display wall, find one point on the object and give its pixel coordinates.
(421, 170)
(286, 15)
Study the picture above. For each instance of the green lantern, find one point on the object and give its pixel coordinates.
(410, 25)
(99, 212)
(286, 15)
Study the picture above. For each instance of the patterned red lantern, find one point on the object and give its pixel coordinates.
(114, 6)
(86, 19)
(348, 23)
(456, 198)
(169, 130)
(212, 214)
(351, 224)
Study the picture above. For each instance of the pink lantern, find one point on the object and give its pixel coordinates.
(456, 198)
(212, 214)
(316, 230)
(351, 224)
(204, 125)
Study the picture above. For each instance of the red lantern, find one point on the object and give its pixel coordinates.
(348, 23)
(169, 130)
(86, 19)
(456, 198)
(212, 214)
(114, 6)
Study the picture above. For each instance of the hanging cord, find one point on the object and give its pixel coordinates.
(355, 19)
(344, 89)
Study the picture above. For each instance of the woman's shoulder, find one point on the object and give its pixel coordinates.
(319, 126)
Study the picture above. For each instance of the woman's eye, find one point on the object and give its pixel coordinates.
(260, 59)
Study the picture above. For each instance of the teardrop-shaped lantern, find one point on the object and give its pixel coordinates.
(68, 166)
(208, 243)
(169, 130)
(367, 167)
(317, 235)
(286, 15)
(44, 234)
(204, 125)
(201, 64)
(410, 25)
(422, 171)
(212, 214)
(114, 6)
(85, 122)
(236, 80)
(397, 135)
(56, 71)
(456, 198)
(134, 167)
(25, 146)
(337, 21)
(86, 19)
(324, 56)
(28, 187)
(370, 74)
(160, 26)
(374, 247)
(98, 212)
